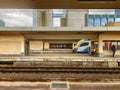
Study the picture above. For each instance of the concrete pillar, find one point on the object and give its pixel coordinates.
(43, 18)
(107, 19)
(114, 19)
(26, 47)
(23, 46)
(94, 21)
(46, 45)
(100, 21)
(76, 17)
(86, 19)
(92, 44)
(63, 22)
(100, 46)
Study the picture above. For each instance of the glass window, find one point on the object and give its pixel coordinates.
(90, 22)
(84, 44)
(117, 20)
(56, 22)
(103, 21)
(117, 11)
(97, 21)
(110, 19)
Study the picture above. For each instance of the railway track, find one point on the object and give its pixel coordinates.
(60, 69)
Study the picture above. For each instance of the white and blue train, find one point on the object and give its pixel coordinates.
(83, 46)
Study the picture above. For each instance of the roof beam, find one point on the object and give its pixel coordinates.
(58, 4)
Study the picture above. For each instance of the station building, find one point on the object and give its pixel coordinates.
(47, 35)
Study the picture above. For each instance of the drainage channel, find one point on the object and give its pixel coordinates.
(59, 85)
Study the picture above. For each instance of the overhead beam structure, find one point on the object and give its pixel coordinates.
(60, 4)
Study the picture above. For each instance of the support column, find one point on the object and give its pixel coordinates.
(26, 47)
(92, 44)
(22, 46)
(43, 45)
(100, 21)
(100, 46)
(43, 18)
(114, 19)
(94, 21)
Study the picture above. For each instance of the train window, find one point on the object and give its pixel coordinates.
(84, 44)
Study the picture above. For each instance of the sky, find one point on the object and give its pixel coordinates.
(17, 17)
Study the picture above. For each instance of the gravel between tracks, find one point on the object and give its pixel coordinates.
(58, 76)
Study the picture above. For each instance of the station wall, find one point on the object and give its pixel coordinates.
(12, 45)
(111, 36)
(41, 45)
(36, 45)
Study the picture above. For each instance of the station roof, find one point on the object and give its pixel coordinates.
(60, 4)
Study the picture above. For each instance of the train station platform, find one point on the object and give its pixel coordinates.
(81, 60)
(72, 86)
(45, 57)
(58, 57)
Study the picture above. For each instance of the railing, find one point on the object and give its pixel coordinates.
(59, 28)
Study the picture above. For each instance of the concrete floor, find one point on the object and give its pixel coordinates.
(76, 57)
(46, 86)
